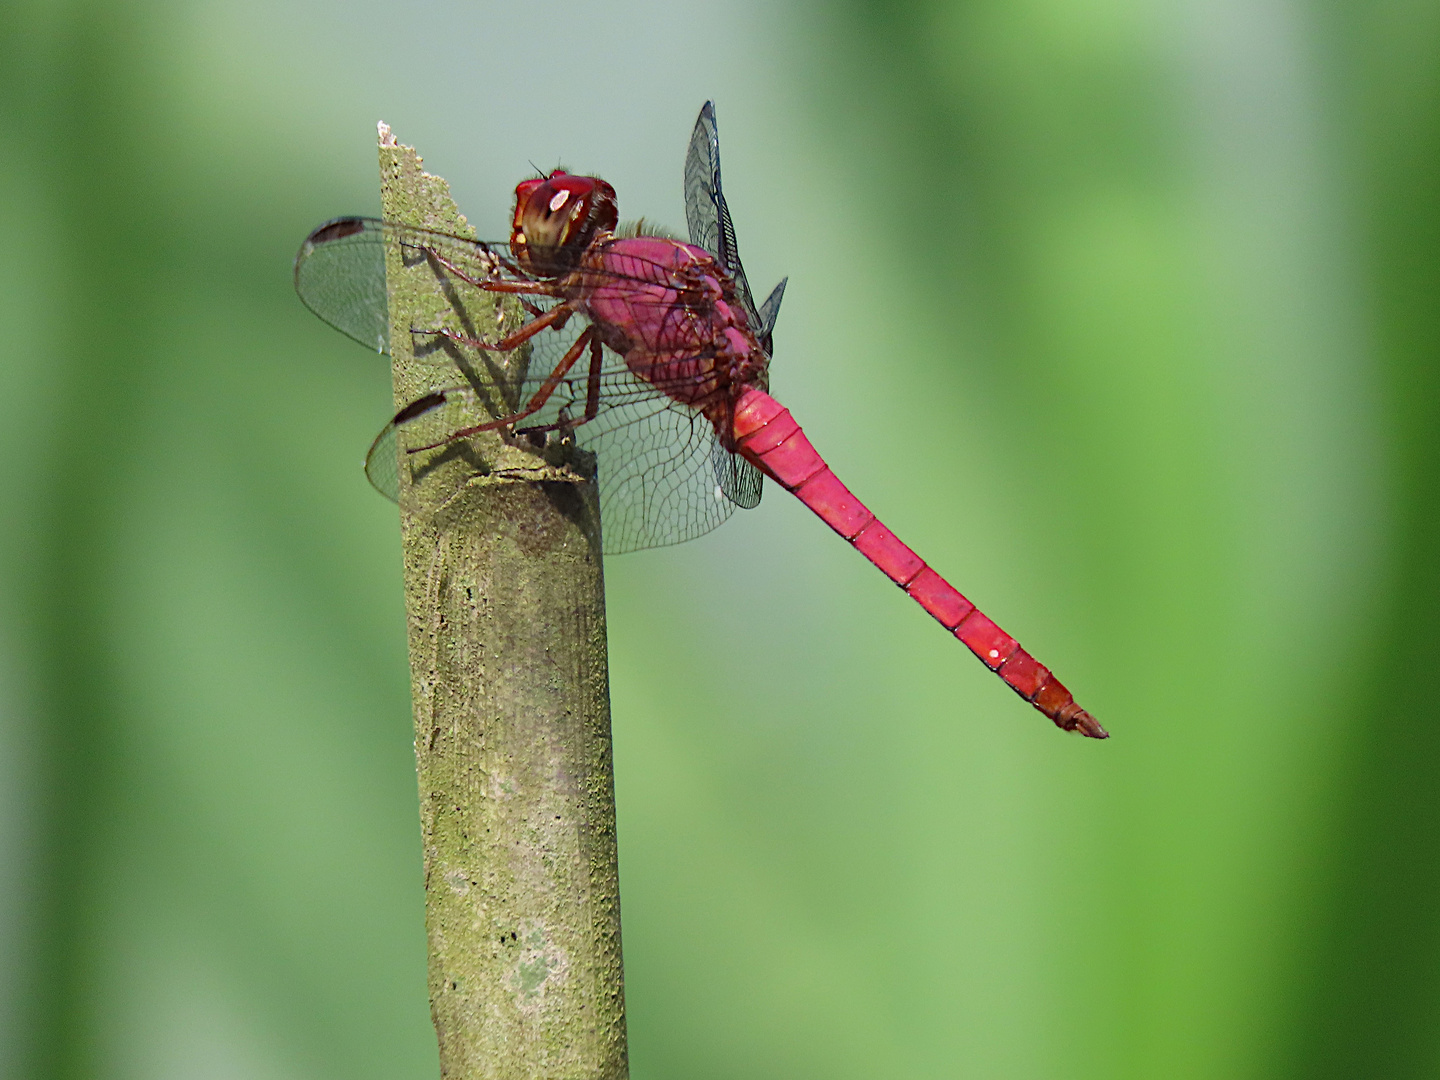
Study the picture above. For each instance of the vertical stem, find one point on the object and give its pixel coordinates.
(504, 593)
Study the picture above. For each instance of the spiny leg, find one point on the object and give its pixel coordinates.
(536, 403)
(557, 317)
(483, 283)
(521, 288)
(592, 397)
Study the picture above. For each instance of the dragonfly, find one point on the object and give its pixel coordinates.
(645, 350)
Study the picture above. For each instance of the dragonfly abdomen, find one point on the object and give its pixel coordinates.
(769, 437)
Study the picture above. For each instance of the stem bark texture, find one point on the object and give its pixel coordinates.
(504, 594)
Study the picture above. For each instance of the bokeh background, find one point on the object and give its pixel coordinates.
(1124, 313)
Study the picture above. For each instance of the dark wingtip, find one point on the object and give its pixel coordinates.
(337, 229)
(334, 229)
(418, 406)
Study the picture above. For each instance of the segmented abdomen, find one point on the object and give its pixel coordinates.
(769, 437)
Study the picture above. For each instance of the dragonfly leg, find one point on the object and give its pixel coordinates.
(592, 390)
(524, 288)
(470, 279)
(534, 405)
(531, 288)
(556, 317)
(592, 397)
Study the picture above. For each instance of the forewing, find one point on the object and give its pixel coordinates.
(705, 211)
(340, 271)
(663, 477)
(702, 182)
(340, 276)
(711, 228)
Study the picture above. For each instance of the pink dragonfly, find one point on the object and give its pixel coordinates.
(644, 350)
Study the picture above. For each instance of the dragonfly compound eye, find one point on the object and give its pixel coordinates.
(556, 218)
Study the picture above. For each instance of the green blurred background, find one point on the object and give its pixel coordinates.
(1123, 314)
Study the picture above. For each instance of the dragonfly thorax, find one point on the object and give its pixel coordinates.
(671, 311)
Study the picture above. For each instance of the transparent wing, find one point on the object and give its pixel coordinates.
(664, 477)
(340, 275)
(708, 218)
(710, 224)
(706, 214)
(768, 311)
(660, 468)
(739, 481)
(702, 183)
(340, 271)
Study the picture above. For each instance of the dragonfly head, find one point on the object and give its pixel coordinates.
(556, 217)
